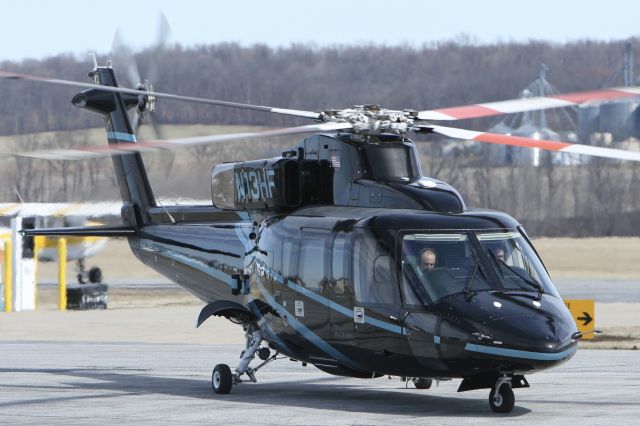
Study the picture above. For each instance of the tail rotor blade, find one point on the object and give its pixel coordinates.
(162, 38)
(136, 120)
(123, 57)
(167, 155)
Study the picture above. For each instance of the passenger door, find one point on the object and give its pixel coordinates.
(311, 305)
(377, 298)
(341, 293)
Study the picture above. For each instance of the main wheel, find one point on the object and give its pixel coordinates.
(503, 400)
(221, 379)
(95, 275)
(422, 383)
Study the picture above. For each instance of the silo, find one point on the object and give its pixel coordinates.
(615, 118)
(498, 155)
(588, 122)
(533, 157)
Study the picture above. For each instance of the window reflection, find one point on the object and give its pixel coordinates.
(439, 264)
(373, 272)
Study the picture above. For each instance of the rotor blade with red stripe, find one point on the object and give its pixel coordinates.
(527, 104)
(570, 148)
(149, 145)
(70, 83)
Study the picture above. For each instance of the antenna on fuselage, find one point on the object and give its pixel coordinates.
(18, 194)
(173, 221)
(94, 58)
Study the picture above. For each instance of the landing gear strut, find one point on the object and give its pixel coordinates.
(223, 379)
(93, 275)
(501, 397)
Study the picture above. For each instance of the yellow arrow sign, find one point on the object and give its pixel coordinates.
(583, 312)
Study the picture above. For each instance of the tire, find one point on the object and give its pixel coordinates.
(503, 400)
(221, 379)
(80, 278)
(422, 383)
(95, 275)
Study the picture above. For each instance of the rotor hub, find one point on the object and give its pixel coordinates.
(146, 103)
(373, 120)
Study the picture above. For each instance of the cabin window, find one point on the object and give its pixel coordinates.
(288, 258)
(340, 265)
(312, 260)
(223, 186)
(373, 272)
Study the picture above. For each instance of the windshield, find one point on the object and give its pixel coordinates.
(438, 264)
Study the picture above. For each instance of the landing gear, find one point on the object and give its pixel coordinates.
(501, 397)
(422, 383)
(222, 379)
(94, 275)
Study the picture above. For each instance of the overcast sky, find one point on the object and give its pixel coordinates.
(37, 28)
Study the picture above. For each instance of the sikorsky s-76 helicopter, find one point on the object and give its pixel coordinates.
(340, 253)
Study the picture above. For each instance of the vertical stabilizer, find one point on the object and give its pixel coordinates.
(130, 171)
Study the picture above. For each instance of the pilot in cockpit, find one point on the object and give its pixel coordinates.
(428, 259)
(499, 254)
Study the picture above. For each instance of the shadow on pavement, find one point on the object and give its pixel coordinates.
(330, 393)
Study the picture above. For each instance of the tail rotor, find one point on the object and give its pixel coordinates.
(124, 58)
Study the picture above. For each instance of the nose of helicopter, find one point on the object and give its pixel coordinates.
(511, 333)
(530, 340)
(532, 332)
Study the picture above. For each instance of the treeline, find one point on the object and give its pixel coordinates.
(305, 77)
(600, 198)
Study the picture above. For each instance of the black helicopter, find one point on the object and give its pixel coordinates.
(320, 253)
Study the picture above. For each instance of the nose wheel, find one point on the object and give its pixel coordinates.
(501, 397)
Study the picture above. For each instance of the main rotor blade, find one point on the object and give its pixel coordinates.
(70, 83)
(572, 148)
(527, 104)
(149, 145)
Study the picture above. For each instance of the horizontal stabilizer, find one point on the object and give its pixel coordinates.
(83, 231)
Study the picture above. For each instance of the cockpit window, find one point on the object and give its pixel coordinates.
(438, 264)
(517, 264)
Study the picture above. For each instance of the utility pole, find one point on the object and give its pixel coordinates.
(627, 69)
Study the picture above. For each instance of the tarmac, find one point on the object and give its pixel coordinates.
(143, 383)
(143, 362)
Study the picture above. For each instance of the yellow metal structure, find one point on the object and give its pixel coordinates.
(62, 274)
(583, 312)
(8, 282)
(38, 242)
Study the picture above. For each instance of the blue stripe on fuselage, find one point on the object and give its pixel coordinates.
(119, 136)
(297, 325)
(308, 334)
(514, 353)
(201, 266)
(341, 309)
